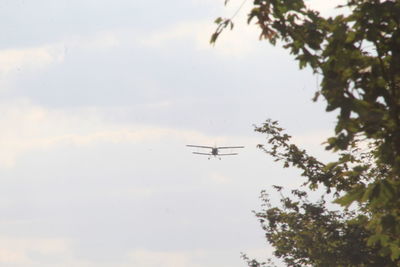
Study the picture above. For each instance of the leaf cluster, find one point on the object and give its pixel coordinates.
(304, 233)
(352, 178)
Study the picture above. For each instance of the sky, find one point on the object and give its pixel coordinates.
(98, 100)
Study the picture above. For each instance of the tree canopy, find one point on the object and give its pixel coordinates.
(357, 55)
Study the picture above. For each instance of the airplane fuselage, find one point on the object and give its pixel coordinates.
(214, 151)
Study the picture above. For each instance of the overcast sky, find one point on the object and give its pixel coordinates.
(98, 100)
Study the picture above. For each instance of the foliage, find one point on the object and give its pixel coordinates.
(255, 263)
(358, 56)
(307, 234)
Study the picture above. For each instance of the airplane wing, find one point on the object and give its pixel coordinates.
(230, 154)
(210, 147)
(227, 147)
(202, 153)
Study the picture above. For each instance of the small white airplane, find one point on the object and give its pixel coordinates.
(215, 150)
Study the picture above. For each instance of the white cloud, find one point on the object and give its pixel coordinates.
(26, 127)
(187, 258)
(16, 251)
(219, 179)
(238, 42)
(242, 40)
(60, 252)
(9, 256)
(14, 62)
(100, 40)
(30, 58)
(156, 259)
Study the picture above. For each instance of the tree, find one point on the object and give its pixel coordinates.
(309, 234)
(358, 57)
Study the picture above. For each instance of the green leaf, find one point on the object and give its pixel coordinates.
(218, 20)
(214, 38)
(395, 252)
(354, 195)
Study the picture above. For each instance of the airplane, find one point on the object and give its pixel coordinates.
(215, 150)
